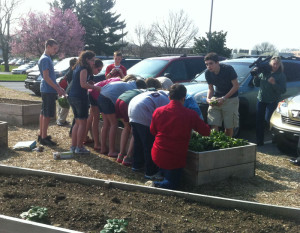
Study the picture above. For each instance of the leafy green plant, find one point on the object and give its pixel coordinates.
(115, 225)
(216, 140)
(36, 214)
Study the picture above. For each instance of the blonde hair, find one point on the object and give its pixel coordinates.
(129, 77)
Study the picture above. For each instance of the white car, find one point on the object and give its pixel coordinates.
(21, 69)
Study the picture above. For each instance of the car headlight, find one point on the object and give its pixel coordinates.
(282, 108)
(201, 98)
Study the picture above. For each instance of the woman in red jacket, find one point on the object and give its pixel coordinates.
(172, 125)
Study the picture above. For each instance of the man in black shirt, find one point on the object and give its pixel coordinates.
(222, 95)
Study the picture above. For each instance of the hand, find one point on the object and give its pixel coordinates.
(61, 92)
(271, 80)
(220, 101)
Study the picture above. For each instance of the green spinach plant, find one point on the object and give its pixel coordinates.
(216, 140)
(36, 214)
(115, 226)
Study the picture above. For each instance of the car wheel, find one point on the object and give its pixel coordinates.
(37, 93)
(286, 146)
(23, 72)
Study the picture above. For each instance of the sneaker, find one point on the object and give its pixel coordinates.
(62, 124)
(156, 176)
(81, 150)
(47, 142)
(72, 149)
(39, 138)
(141, 169)
(150, 183)
(120, 158)
(127, 161)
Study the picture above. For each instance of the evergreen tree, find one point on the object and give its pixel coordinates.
(103, 27)
(63, 4)
(217, 44)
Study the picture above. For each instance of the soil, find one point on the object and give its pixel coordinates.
(86, 208)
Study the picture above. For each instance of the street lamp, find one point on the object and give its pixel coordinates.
(209, 32)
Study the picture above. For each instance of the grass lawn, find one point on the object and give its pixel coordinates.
(13, 77)
(10, 68)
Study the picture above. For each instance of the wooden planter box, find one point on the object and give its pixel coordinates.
(216, 165)
(3, 134)
(211, 166)
(20, 112)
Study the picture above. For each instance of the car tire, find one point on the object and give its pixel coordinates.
(37, 93)
(286, 146)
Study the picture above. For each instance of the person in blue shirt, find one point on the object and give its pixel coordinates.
(49, 90)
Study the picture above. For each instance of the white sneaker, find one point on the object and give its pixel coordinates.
(81, 150)
(150, 183)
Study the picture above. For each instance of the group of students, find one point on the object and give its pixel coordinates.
(159, 142)
(159, 114)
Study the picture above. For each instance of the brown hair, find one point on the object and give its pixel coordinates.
(153, 82)
(84, 55)
(118, 54)
(50, 42)
(212, 56)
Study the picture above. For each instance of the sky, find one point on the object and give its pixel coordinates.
(247, 22)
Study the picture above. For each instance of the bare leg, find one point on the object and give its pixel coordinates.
(112, 134)
(124, 137)
(88, 125)
(104, 133)
(95, 125)
(74, 134)
(229, 132)
(45, 124)
(81, 131)
(130, 148)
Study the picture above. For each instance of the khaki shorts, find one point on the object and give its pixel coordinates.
(227, 112)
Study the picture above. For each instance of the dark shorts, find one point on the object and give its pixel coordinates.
(106, 105)
(80, 107)
(92, 101)
(122, 110)
(48, 104)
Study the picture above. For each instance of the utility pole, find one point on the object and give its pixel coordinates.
(209, 32)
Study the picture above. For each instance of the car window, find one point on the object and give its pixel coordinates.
(177, 71)
(194, 66)
(292, 71)
(147, 68)
(129, 63)
(63, 64)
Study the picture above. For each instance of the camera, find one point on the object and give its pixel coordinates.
(261, 66)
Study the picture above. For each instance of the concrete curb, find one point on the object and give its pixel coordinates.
(15, 225)
(278, 211)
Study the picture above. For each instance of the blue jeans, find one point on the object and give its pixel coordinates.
(171, 179)
(143, 142)
(264, 112)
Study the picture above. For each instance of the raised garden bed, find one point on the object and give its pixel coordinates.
(20, 112)
(3, 134)
(215, 165)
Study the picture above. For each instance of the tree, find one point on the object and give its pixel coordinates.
(63, 4)
(6, 11)
(36, 28)
(104, 31)
(265, 48)
(141, 45)
(174, 34)
(217, 44)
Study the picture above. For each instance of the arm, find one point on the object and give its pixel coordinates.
(279, 85)
(60, 91)
(210, 93)
(153, 130)
(84, 84)
(235, 87)
(200, 126)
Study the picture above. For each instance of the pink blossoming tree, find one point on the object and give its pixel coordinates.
(36, 28)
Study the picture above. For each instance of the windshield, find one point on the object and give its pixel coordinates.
(63, 64)
(147, 68)
(242, 69)
(106, 63)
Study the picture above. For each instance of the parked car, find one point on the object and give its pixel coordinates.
(178, 68)
(127, 62)
(33, 80)
(21, 69)
(285, 124)
(247, 91)
(32, 69)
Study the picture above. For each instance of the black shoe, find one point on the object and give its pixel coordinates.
(47, 142)
(63, 124)
(39, 138)
(295, 161)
